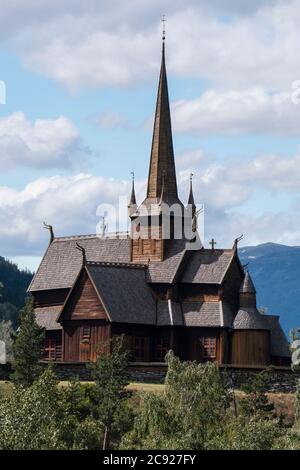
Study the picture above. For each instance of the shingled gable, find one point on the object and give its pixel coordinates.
(76, 307)
(122, 291)
(209, 267)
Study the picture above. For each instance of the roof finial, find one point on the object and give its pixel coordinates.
(236, 241)
(82, 249)
(164, 27)
(50, 228)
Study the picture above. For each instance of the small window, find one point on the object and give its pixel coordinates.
(50, 350)
(161, 349)
(86, 332)
(209, 347)
(139, 348)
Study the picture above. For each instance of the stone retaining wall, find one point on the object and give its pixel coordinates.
(281, 379)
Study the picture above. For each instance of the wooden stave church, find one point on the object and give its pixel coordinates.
(153, 289)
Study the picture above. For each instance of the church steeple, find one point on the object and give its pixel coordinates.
(191, 201)
(162, 174)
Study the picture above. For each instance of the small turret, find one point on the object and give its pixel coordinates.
(132, 206)
(191, 201)
(247, 292)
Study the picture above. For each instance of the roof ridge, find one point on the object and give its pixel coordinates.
(117, 264)
(117, 235)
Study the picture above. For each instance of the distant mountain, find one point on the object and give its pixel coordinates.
(275, 269)
(13, 286)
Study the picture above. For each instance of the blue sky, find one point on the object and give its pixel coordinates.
(81, 84)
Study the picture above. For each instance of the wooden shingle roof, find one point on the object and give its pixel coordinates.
(124, 292)
(46, 317)
(62, 262)
(249, 318)
(207, 266)
(203, 314)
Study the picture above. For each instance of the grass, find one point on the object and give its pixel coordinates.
(5, 389)
(146, 387)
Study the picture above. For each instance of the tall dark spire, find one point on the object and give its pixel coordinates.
(191, 201)
(162, 165)
(132, 203)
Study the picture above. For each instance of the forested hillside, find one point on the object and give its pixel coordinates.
(13, 286)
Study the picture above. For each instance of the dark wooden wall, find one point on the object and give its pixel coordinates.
(84, 302)
(78, 348)
(47, 298)
(250, 347)
(144, 247)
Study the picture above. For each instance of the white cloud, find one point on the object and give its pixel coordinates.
(105, 44)
(238, 112)
(44, 143)
(69, 203)
(279, 227)
(231, 183)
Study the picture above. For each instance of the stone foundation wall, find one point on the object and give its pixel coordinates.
(281, 379)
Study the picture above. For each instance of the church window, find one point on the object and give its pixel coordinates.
(209, 347)
(50, 349)
(86, 332)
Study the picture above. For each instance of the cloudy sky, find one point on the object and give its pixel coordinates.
(81, 81)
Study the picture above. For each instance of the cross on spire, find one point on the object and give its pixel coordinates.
(213, 244)
(164, 27)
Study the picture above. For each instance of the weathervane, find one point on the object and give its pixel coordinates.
(164, 27)
(191, 176)
(132, 174)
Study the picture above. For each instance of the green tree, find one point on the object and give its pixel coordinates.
(45, 416)
(27, 347)
(190, 414)
(256, 403)
(110, 395)
(28, 416)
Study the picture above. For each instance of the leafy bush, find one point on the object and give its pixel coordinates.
(195, 413)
